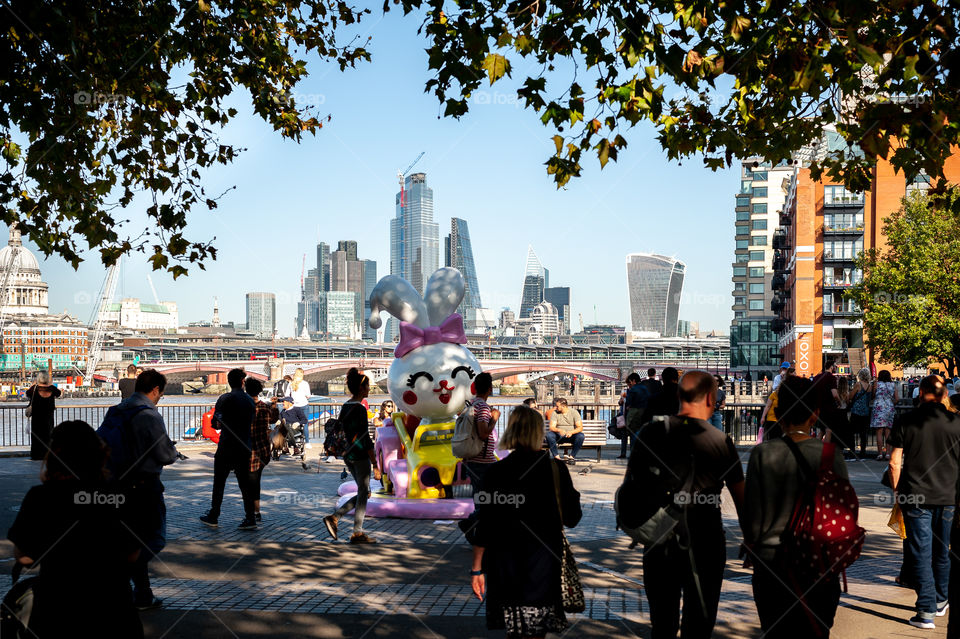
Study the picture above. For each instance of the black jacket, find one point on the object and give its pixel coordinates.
(234, 415)
(518, 524)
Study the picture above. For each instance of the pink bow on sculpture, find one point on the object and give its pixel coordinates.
(413, 337)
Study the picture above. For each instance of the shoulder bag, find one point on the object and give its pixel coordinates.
(571, 589)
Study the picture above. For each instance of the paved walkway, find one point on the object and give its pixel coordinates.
(289, 579)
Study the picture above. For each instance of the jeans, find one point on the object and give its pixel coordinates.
(222, 465)
(361, 471)
(297, 414)
(928, 547)
(668, 576)
(782, 614)
(717, 419)
(555, 438)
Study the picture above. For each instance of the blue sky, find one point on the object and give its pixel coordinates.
(486, 168)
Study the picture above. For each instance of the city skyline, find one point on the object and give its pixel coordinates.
(655, 289)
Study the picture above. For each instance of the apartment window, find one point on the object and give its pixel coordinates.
(740, 271)
(759, 225)
(739, 314)
(759, 191)
(743, 200)
(759, 208)
(743, 216)
(758, 240)
(745, 187)
(742, 244)
(756, 271)
(742, 257)
(834, 195)
(756, 288)
(760, 176)
(743, 229)
(756, 305)
(756, 256)
(739, 287)
(843, 222)
(842, 249)
(739, 301)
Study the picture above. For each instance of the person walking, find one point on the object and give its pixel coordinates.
(73, 524)
(668, 571)
(717, 417)
(265, 416)
(924, 468)
(774, 484)
(768, 417)
(517, 540)
(233, 417)
(885, 397)
(622, 432)
(359, 457)
(827, 397)
(565, 425)
(128, 384)
(43, 405)
(782, 375)
(485, 421)
(667, 401)
(152, 450)
(859, 401)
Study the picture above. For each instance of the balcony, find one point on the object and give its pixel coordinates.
(842, 229)
(780, 239)
(779, 325)
(830, 256)
(839, 284)
(778, 283)
(837, 196)
(847, 307)
(779, 262)
(777, 304)
(786, 219)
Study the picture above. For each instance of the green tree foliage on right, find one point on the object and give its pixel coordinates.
(910, 292)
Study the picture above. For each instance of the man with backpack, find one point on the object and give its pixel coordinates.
(233, 417)
(139, 446)
(924, 467)
(484, 421)
(796, 567)
(670, 501)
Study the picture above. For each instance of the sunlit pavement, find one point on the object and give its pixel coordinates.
(289, 579)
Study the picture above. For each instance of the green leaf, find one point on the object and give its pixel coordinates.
(496, 66)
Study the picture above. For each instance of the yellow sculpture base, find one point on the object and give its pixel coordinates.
(429, 447)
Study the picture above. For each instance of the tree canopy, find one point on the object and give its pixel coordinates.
(910, 289)
(102, 101)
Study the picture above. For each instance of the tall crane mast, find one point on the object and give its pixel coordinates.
(98, 322)
(401, 175)
(11, 268)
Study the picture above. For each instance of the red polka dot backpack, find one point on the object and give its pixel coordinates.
(823, 536)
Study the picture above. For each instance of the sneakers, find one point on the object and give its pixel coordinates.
(308, 445)
(258, 517)
(561, 457)
(248, 523)
(360, 539)
(920, 621)
(942, 608)
(155, 602)
(209, 520)
(570, 459)
(331, 523)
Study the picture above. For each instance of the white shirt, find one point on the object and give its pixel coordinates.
(777, 380)
(301, 396)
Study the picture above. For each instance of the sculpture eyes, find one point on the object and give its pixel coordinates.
(467, 369)
(413, 378)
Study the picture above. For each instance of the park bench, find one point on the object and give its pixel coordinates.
(594, 435)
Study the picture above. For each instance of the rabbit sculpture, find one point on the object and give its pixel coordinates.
(430, 381)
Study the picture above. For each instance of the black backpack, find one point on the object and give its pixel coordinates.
(17, 607)
(335, 440)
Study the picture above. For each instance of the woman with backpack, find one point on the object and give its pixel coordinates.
(358, 456)
(775, 484)
(859, 401)
(885, 398)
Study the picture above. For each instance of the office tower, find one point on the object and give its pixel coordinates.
(341, 313)
(369, 282)
(762, 193)
(459, 255)
(535, 279)
(262, 314)
(323, 266)
(350, 248)
(823, 228)
(559, 296)
(654, 285)
(347, 273)
(414, 236)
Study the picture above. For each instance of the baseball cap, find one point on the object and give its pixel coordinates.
(785, 365)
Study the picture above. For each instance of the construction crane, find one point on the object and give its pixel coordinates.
(98, 322)
(156, 298)
(401, 176)
(10, 270)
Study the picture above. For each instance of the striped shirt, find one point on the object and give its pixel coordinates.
(481, 413)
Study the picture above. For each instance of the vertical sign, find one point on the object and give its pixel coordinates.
(804, 354)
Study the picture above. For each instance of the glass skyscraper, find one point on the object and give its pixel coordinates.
(414, 236)
(535, 279)
(654, 284)
(262, 314)
(459, 255)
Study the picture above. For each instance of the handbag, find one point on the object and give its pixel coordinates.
(571, 589)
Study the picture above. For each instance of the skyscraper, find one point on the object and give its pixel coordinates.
(654, 285)
(349, 274)
(459, 255)
(414, 236)
(323, 266)
(369, 282)
(559, 296)
(535, 279)
(262, 314)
